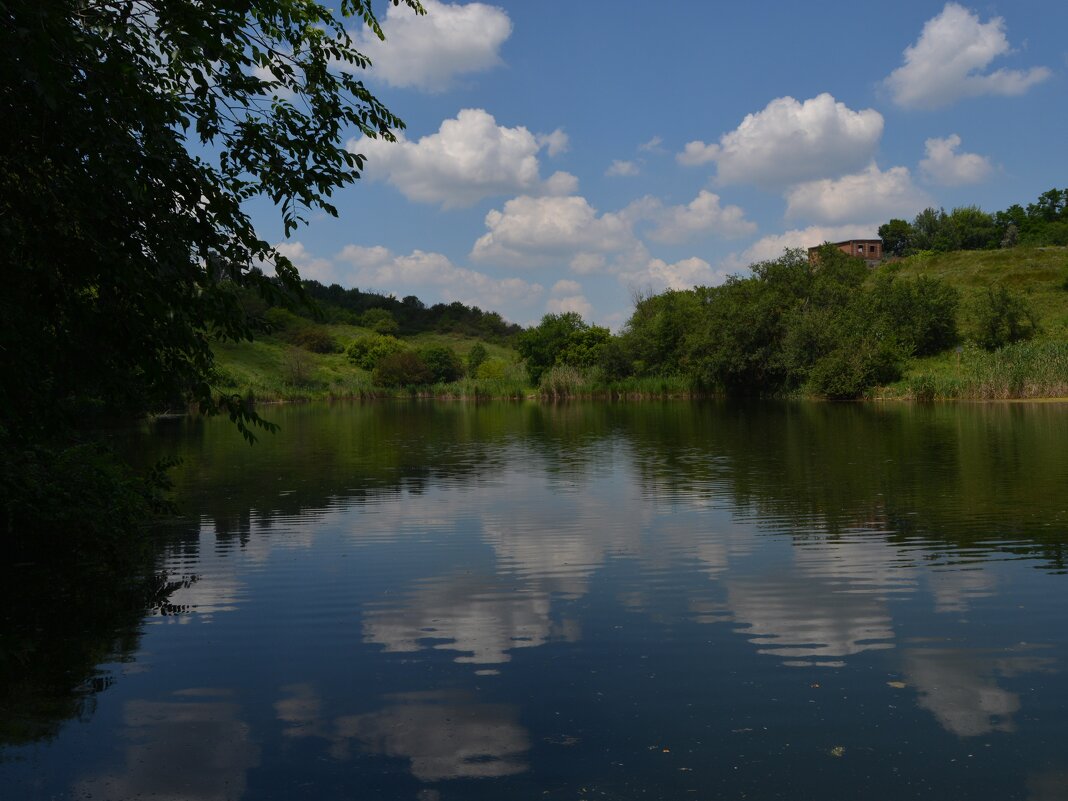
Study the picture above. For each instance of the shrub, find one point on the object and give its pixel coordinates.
(296, 368)
(848, 371)
(444, 365)
(402, 368)
(478, 354)
(279, 319)
(379, 320)
(493, 369)
(1003, 317)
(367, 351)
(315, 339)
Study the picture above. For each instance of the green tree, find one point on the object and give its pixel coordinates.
(404, 368)
(367, 351)
(443, 363)
(475, 357)
(132, 134)
(1003, 317)
(380, 321)
(542, 344)
(897, 238)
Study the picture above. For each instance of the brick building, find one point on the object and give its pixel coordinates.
(871, 250)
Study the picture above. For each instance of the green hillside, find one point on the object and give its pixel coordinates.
(1041, 274)
(274, 368)
(1038, 368)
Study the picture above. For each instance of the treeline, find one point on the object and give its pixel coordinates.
(826, 327)
(1042, 223)
(386, 314)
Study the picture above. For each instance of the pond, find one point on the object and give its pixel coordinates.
(674, 600)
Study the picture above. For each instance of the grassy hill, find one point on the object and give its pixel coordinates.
(1040, 274)
(1038, 368)
(272, 368)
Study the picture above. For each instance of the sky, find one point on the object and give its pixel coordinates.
(564, 156)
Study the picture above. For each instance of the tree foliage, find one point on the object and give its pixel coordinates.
(1044, 222)
(443, 363)
(1003, 317)
(132, 134)
(367, 351)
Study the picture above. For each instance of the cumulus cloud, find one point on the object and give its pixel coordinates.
(565, 286)
(947, 62)
(944, 165)
(790, 141)
(659, 275)
(654, 145)
(430, 52)
(536, 230)
(773, 245)
(619, 168)
(554, 143)
(702, 215)
(311, 267)
(469, 158)
(379, 267)
(419, 272)
(570, 303)
(865, 196)
(566, 296)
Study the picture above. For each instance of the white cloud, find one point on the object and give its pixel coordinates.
(946, 63)
(380, 268)
(566, 296)
(620, 168)
(537, 230)
(697, 153)
(790, 141)
(429, 52)
(944, 165)
(703, 215)
(652, 146)
(773, 245)
(570, 303)
(659, 275)
(561, 183)
(469, 158)
(310, 267)
(866, 196)
(554, 143)
(566, 286)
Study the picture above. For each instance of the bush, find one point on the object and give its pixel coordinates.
(493, 369)
(849, 371)
(379, 320)
(1003, 317)
(296, 368)
(367, 351)
(279, 319)
(475, 357)
(401, 369)
(315, 339)
(444, 365)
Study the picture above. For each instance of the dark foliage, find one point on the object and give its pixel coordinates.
(1003, 317)
(411, 315)
(443, 363)
(132, 134)
(404, 368)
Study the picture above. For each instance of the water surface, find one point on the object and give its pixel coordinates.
(590, 600)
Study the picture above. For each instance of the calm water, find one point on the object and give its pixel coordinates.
(585, 601)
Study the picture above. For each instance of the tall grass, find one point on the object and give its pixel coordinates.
(1021, 370)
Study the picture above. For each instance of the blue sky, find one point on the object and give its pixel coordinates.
(561, 155)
